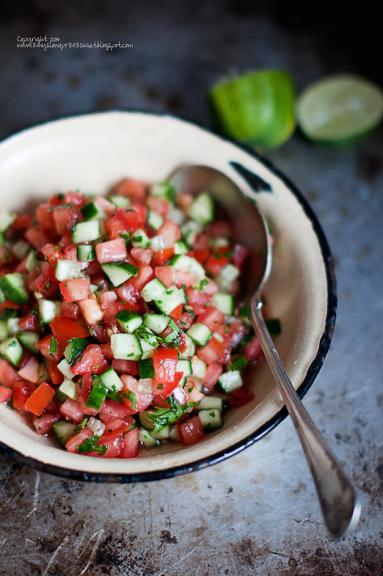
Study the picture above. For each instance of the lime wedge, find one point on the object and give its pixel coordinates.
(256, 108)
(339, 108)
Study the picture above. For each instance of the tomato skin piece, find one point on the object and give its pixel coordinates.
(162, 256)
(191, 431)
(43, 424)
(111, 251)
(75, 289)
(39, 399)
(73, 443)
(91, 361)
(131, 444)
(63, 329)
(240, 397)
(5, 394)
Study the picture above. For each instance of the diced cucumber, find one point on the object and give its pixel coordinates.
(6, 219)
(198, 367)
(180, 247)
(68, 388)
(228, 274)
(11, 350)
(187, 264)
(86, 231)
(188, 348)
(147, 439)
(126, 347)
(210, 402)
(210, 419)
(64, 368)
(74, 348)
(224, 302)
(148, 343)
(164, 190)
(157, 243)
(190, 231)
(162, 434)
(176, 215)
(202, 209)
(85, 253)
(129, 321)
(66, 269)
(184, 366)
(2, 297)
(4, 330)
(31, 261)
(229, 381)
(111, 380)
(173, 337)
(119, 201)
(13, 326)
(119, 272)
(152, 290)
(20, 249)
(92, 211)
(199, 333)
(13, 288)
(140, 239)
(146, 368)
(29, 340)
(219, 242)
(170, 299)
(97, 394)
(63, 430)
(48, 310)
(154, 220)
(156, 322)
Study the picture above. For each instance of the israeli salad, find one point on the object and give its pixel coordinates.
(119, 322)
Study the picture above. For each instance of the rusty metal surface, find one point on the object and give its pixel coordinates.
(256, 513)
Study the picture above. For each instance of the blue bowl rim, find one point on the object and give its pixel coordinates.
(312, 371)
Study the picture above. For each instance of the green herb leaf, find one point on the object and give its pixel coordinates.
(53, 346)
(90, 445)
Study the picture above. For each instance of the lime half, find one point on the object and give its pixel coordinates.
(256, 108)
(339, 108)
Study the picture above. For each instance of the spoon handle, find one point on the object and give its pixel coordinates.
(337, 496)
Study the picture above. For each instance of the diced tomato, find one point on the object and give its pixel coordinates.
(124, 221)
(253, 349)
(212, 318)
(43, 424)
(44, 217)
(51, 252)
(125, 367)
(201, 255)
(107, 350)
(192, 389)
(73, 443)
(114, 445)
(50, 350)
(170, 232)
(190, 431)
(70, 310)
(29, 322)
(106, 298)
(240, 254)
(91, 310)
(92, 360)
(5, 394)
(63, 329)
(21, 222)
(131, 445)
(120, 426)
(8, 375)
(144, 275)
(107, 207)
(111, 251)
(100, 333)
(214, 264)
(159, 205)
(21, 391)
(133, 189)
(183, 278)
(45, 282)
(111, 409)
(185, 200)
(165, 375)
(30, 370)
(36, 237)
(165, 274)
(65, 217)
(213, 372)
(185, 321)
(74, 198)
(180, 395)
(70, 252)
(130, 295)
(240, 397)
(39, 399)
(143, 255)
(75, 289)
(109, 315)
(213, 352)
(141, 393)
(71, 410)
(56, 376)
(8, 304)
(197, 299)
(219, 228)
(176, 314)
(162, 256)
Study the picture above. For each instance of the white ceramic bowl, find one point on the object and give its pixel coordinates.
(92, 152)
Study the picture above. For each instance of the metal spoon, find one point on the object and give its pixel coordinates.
(337, 496)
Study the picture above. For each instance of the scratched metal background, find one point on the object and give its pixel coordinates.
(257, 513)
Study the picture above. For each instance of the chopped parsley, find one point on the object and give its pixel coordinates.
(90, 445)
(53, 346)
